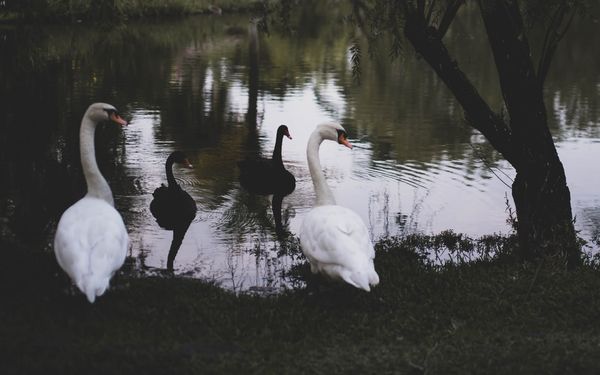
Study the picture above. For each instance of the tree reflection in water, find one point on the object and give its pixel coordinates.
(216, 89)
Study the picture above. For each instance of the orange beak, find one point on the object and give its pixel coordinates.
(118, 119)
(344, 141)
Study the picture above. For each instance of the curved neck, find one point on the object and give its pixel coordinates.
(96, 184)
(169, 168)
(277, 150)
(324, 194)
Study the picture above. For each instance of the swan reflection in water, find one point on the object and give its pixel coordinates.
(276, 206)
(266, 176)
(173, 208)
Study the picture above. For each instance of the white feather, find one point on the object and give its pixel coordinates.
(333, 238)
(336, 242)
(91, 240)
(91, 244)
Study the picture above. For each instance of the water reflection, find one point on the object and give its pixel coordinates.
(215, 89)
(264, 176)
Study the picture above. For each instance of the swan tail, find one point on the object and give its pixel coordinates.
(93, 287)
(82, 286)
(357, 279)
(90, 293)
(373, 276)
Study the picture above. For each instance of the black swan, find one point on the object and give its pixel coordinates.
(173, 207)
(268, 176)
(91, 240)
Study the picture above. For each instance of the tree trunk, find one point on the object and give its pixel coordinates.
(540, 192)
(544, 221)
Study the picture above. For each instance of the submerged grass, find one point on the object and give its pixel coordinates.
(490, 315)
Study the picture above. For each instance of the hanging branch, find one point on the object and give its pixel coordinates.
(355, 54)
(395, 29)
(421, 7)
(553, 35)
(430, 12)
(359, 9)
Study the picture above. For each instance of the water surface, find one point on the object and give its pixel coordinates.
(217, 89)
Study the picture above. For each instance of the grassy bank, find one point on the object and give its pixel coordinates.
(110, 10)
(488, 316)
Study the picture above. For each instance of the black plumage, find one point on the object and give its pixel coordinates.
(268, 176)
(173, 208)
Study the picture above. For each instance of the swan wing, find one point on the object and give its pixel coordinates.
(90, 244)
(328, 230)
(172, 206)
(336, 242)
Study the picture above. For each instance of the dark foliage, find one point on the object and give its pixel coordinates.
(486, 316)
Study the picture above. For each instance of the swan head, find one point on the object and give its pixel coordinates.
(283, 130)
(180, 158)
(99, 112)
(334, 132)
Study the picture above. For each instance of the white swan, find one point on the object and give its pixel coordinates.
(334, 238)
(91, 240)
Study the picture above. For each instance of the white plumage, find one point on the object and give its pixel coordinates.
(91, 240)
(91, 244)
(333, 238)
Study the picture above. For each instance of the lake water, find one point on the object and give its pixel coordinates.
(216, 89)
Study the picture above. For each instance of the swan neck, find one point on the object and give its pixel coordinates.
(322, 190)
(277, 150)
(96, 184)
(169, 168)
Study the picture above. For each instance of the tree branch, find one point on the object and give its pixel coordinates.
(430, 12)
(552, 38)
(421, 7)
(520, 85)
(427, 42)
(449, 16)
